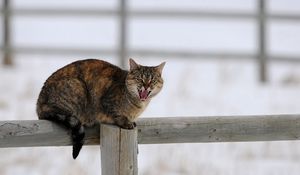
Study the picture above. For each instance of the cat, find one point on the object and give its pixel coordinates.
(92, 91)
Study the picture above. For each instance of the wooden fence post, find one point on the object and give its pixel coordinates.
(123, 15)
(7, 55)
(262, 55)
(118, 150)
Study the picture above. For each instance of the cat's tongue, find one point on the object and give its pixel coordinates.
(143, 94)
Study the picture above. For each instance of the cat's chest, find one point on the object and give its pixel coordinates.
(135, 111)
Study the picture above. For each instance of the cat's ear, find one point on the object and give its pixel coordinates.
(132, 64)
(160, 67)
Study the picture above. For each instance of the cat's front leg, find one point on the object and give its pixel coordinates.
(123, 122)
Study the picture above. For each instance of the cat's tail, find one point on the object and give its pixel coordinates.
(69, 121)
(78, 134)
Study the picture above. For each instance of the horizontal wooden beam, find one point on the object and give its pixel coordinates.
(59, 50)
(144, 13)
(135, 52)
(219, 129)
(27, 133)
(150, 52)
(191, 54)
(38, 12)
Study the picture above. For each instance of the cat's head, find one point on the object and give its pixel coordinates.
(144, 82)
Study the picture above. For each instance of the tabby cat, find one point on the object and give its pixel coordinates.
(93, 91)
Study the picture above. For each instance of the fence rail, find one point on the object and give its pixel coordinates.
(136, 13)
(119, 146)
(161, 130)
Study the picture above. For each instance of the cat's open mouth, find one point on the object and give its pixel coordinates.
(144, 94)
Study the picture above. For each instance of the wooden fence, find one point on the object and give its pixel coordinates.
(119, 146)
(123, 14)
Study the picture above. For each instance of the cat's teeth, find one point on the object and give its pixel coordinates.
(143, 94)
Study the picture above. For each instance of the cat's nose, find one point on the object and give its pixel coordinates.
(145, 87)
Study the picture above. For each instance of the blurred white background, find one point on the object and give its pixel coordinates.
(193, 86)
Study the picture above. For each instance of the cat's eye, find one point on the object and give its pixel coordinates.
(139, 78)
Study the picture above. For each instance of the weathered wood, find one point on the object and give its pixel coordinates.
(123, 51)
(7, 56)
(219, 129)
(174, 54)
(152, 13)
(27, 133)
(261, 38)
(118, 150)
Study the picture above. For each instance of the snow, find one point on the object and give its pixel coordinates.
(192, 88)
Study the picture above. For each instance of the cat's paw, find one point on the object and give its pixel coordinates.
(124, 123)
(128, 125)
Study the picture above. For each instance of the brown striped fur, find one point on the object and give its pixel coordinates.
(94, 91)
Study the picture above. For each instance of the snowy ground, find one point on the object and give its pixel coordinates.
(192, 88)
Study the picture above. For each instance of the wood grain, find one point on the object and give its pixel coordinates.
(118, 150)
(27, 133)
(218, 129)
